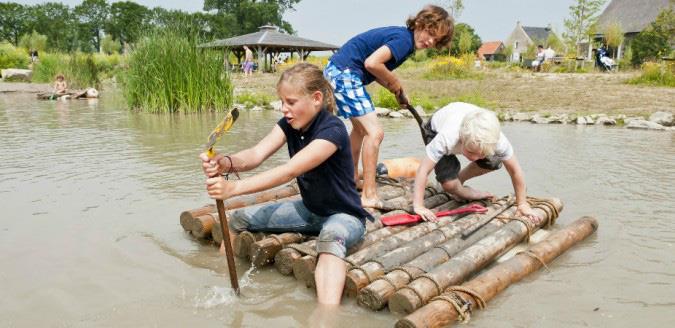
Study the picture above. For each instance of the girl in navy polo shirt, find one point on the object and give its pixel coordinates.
(371, 56)
(320, 161)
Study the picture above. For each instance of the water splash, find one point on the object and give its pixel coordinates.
(219, 295)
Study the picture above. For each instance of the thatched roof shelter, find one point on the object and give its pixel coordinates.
(633, 15)
(268, 41)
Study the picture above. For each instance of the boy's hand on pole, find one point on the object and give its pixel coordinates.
(402, 98)
(219, 188)
(211, 166)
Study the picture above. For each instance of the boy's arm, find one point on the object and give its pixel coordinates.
(418, 192)
(317, 152)
(246, 159)
(518, 181)
(375, 65)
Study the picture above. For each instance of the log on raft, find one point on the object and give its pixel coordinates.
(284, 259)
(202, 225)
(439, 202)
(262, 252)
(475, 293)
(376, 295)
(421, 290)
(362, 275)
(243, 242)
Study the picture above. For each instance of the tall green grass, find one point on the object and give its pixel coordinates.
(656, 75)
(12, 57)
(79, 69)
(167, 73)
(453, 68)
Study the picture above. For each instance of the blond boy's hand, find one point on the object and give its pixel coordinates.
(525, 210)
(219, 188)
(425, 213)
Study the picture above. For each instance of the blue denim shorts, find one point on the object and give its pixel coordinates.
(351, 97)
(337, 232)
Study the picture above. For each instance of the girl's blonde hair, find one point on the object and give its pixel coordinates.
(436, 21)
(309, 78)
(481, 130)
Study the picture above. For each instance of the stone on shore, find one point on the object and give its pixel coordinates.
(276, 105)
(662, 118)
(16, 74)
(396, 115)
(521, 117)
(382, 111)
(645, 125)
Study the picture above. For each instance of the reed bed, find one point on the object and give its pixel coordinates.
(168, 73)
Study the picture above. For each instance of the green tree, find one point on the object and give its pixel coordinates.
(582, 16)
(33, 41)
(455, 7)
(57, 22)
(655, 41)
(109, 45)
(250, 14)
(614, 36)
(14, 22)
(460, 30)
(93, 15)
(127, 21)
(554, 42)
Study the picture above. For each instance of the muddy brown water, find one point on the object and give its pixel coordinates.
(89, 233)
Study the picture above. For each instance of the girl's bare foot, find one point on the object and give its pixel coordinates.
(372, 202)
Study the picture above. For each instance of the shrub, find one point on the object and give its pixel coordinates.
(656, 74)
(444, 68)
(12, 57)
(79, 69)
(384, 98)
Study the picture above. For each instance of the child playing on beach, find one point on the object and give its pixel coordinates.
(461, 128)
(320, 161)
(371, 56)
(60, 85)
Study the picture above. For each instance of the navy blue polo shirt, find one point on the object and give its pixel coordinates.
(354, 53)
(328, 188)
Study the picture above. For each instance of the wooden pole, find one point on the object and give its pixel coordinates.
(229, 253)
(470, 260)
(376, 295)
(361, 276)
(441, 312)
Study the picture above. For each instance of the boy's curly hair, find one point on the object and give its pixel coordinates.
(436, 21)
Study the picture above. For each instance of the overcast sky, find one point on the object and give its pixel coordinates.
(337, 21)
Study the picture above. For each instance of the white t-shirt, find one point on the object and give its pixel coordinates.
(447, 122)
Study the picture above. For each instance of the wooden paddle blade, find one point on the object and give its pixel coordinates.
(223, 127)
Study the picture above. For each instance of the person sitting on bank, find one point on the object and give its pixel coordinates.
(60, 85)
(541, 57)
(321, 163)
(461, 128)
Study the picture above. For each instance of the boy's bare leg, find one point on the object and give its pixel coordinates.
(461, 192)
(330, 278)
(471, 171)
(355, 141)
(372, 139)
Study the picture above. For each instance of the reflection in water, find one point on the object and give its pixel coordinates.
(91, 195)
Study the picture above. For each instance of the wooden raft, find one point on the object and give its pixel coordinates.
(405, 268)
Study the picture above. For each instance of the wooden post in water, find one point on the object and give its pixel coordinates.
(361, 276)
(441, 312)
(421, 290)
(376, 295)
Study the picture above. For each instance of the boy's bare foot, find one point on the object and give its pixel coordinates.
(372, 203)
(477, 194)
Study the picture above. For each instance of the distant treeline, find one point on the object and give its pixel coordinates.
(84, 26)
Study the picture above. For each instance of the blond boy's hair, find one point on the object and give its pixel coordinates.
(480, 130)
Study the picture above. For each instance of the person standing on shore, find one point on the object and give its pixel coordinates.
(248, 62)
(371, 56)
